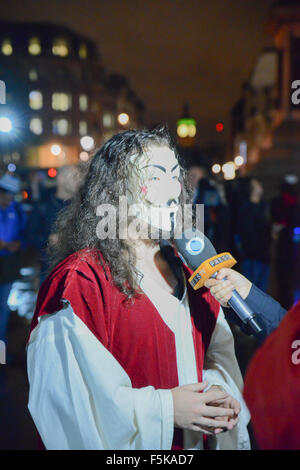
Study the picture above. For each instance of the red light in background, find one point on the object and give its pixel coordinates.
(219, 127)
(52, 172)
(25, 194)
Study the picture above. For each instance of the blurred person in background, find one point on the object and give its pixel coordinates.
(254, 233)
(196, 173)
(12, 226)
(45, 212)
(217, 223)
(285, 211)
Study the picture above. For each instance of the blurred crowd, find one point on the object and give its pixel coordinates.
(263, 235)
(29, 205)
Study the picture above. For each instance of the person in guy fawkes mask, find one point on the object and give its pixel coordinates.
(117, 354)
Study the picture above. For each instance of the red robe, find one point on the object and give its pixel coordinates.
(134, 334)
(272, 386)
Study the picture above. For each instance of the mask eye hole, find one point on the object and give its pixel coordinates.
(175, 178)
(155, 178)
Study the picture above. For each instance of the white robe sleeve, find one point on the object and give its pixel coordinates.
(81, 398)
(221, 368)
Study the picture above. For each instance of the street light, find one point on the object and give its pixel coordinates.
(87, 142)
(52, 172)
(84, 156)
(5, 124)
(182, 131)
(186, 127)
(229, 170)
(11, 167)
(123, 119)
(239, 160)
(216, 168)
(55, 149)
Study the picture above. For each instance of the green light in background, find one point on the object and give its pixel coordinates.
(186, 127)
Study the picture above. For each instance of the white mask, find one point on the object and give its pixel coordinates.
(158, 188)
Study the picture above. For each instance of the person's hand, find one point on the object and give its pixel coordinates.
(228, 402)
(222, 289)
(13, 246)
(192, 410)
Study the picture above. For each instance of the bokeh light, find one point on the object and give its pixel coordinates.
(84, 156)
(55, 149)
(87, 142)
(5, 124)
(11, 167)
(229, 170)
(52, 172)
(216, 168)
(239, 160)
(182, 131)
(123, 119)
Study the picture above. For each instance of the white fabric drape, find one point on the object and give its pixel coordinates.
(81, 398)
(220, 366)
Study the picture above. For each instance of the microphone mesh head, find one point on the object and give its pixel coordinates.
(194, 248)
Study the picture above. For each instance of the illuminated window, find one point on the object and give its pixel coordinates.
(83, 102)
(61, 101)
(83, 128)
(34, 46)
(61, 126)
(33, 75)
(6, 47)
(60, 47)
(35, 99)
(36, 126)
(108, 120)
(83, 51)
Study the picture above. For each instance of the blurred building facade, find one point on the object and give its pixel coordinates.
(57, 91)
(265, 122)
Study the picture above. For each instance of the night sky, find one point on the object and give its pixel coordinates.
(171, 50)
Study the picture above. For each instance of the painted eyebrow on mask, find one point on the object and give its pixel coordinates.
(162, 168)
(156, 166)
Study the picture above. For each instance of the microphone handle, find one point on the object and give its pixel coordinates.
(243, 310)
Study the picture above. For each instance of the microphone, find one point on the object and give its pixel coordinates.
(199, 254)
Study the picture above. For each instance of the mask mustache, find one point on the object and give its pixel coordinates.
(172, 202)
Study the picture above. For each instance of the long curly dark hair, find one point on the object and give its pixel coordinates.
(107, 177)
